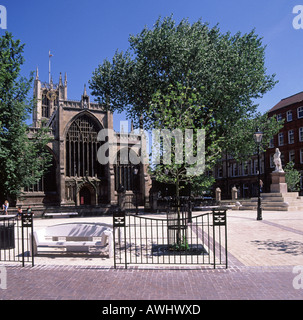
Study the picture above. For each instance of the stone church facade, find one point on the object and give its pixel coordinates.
(76, 178)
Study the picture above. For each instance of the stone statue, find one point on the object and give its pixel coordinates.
(277, 161)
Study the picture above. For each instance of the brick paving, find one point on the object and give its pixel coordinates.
(262, 255)
(76, 283)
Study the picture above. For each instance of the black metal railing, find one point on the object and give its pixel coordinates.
(16, 238)
(171, 239)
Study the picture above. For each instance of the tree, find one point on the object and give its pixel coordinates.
(292, 177)
(240, 143)
(226, 71)
(23, 159)
(175, 114)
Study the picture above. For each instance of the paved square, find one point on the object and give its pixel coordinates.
(262, 257)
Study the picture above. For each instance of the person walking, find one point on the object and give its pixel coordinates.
(19, 213)
(5, 207)
(28, 210)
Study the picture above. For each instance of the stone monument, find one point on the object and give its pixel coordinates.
(234, 193)
(218, 195)
(278, 184)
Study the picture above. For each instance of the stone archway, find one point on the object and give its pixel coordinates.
(87, 195)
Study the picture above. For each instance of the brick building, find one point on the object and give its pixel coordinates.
(289, 140)
(243, 176)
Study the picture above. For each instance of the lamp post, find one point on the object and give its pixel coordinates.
(136, 188)
(258, 135)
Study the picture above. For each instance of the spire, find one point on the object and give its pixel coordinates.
(49, 66)
(60, 79)
(37, 74)
(65, 80)
(85, 98)
(84, 93)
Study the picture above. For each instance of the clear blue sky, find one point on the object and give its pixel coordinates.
(81, 34)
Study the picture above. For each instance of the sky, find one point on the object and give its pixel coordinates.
(81, 34)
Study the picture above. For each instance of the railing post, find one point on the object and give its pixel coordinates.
(22, 239)
(27, 222)
(226, 252)
(214, 240)
(118, 222)
(219, 219)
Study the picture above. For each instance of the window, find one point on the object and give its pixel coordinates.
(48, 181)
(291, 136)
(289, 116)
(262, 166)
(245, 168)
(301, 134)
(255, 167)
(300, 112)
(234, 169)
(281, 139)
(220, 172)
(45, 106)
(81, 149)
(124, 171)
(301, 155)
(291, 156)
(279, 117)
(271, 143)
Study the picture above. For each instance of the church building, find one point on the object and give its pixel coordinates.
(76, 178)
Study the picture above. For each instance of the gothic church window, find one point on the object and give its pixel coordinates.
(82, 147)
(45, 105)
(47, 183)
(124, 171)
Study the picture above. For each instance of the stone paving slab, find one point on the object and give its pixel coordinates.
(277, 240)
(262, 257)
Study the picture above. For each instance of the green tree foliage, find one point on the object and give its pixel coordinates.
(228, 70)
(226, 73)
(22, 160)
(178, 109)
(239, 137)
(292, 177)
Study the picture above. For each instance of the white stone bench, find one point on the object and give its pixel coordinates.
(60, 214)
(75, 237)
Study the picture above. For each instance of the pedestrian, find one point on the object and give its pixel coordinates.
(28, 210)
(5, 207)
(19, 215)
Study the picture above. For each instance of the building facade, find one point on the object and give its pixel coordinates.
(242, 175)
(76, 177)
(289, 140)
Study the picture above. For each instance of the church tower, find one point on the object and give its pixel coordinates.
(48, 97)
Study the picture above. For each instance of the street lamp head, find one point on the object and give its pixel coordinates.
(258, 135)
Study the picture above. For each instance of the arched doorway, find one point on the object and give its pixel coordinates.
(85, 196)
